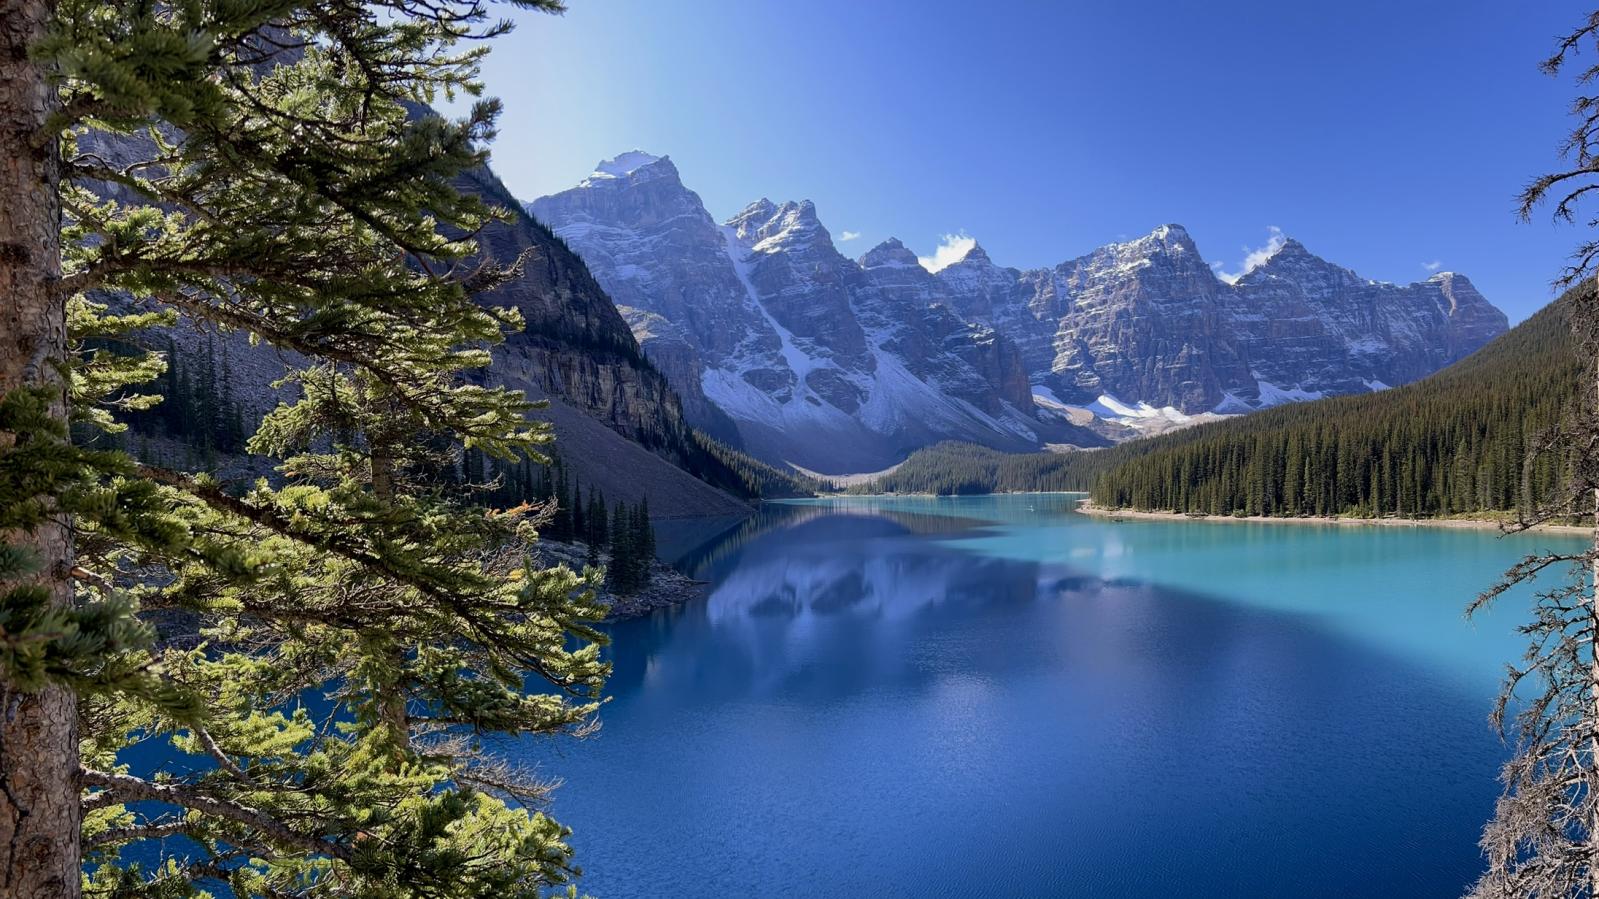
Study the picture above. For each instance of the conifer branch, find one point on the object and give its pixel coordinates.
(128, 787)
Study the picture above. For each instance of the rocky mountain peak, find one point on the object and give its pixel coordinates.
(634, 165)
(976, 256)
(1172, 235)
(1168, 248)
(752, 216)
(1168, 252)
(1291, 248)
(769, 227)
(1462, 296)
(890, 253)
(1293, 261)
(759, 211)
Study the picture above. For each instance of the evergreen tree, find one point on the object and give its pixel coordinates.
(276, 172)
(232, 435)
(644, 542)
(599, 531)
(580, 528)
(561, 523)
(620, 573)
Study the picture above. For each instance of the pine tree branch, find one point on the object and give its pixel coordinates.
(281, 524)
(222, 759)
(154, 831)
(126, 786)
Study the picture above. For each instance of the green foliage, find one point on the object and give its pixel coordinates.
(1454, 443)
(951, 468)
(336, 638)
(743, 475)
(91, 646)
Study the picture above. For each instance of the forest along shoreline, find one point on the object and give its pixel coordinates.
(1087, 507)
(665, 587)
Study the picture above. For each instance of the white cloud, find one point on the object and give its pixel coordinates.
(951, 250)
(848, 235)
(1433, 266)
(1253, 258)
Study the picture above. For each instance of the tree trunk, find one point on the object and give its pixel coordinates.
(392, 702)
(39, 816)
(1593, 672)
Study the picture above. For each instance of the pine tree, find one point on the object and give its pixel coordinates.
(233, 433)
(276, 172)
(561, 522)
(620, 571)
(644, 542)
(599, 531)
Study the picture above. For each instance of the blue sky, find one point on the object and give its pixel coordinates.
(1390, 136)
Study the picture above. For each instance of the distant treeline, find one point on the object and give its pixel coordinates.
(199, 408)
(950, 468)
(1454, 443)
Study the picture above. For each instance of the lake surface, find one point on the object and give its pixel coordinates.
(996, 696)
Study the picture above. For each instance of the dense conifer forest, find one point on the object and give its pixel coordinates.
(743, 475)
(953, 468)
(1452, 444)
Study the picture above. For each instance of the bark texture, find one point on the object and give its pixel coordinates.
(39, 816)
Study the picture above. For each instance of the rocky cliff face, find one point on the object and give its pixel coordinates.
(840, 365)
(817, 360)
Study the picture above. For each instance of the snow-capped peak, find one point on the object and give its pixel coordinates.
(1171, 239)
(625, 164)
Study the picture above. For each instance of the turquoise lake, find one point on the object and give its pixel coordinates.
(997, 696)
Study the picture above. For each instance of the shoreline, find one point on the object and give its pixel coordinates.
(893, 495)
(1087, 507)
(667, 588)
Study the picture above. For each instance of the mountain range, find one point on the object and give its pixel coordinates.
(780, 344)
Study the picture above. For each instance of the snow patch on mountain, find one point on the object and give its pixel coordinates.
(799, 362)
(624, 165)
(1272, 395)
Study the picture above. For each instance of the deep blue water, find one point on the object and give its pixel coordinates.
(998, 697)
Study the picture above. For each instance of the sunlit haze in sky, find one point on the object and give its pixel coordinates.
(1390, 137)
